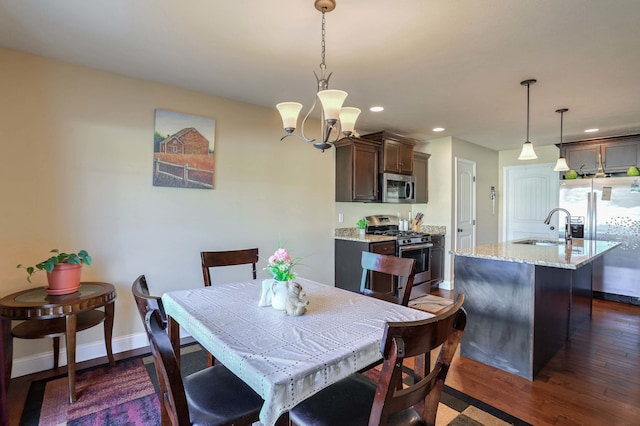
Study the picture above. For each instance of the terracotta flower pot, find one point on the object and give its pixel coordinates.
(64, 279)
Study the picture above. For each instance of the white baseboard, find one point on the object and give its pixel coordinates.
(445, 285)
(44, 361)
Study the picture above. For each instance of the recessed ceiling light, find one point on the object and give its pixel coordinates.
(376, 109)
(438, 129)
(591, 130)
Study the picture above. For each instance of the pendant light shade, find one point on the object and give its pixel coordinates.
(561, 165)
(527, 152)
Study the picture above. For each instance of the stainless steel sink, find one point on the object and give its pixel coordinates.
(540, 242)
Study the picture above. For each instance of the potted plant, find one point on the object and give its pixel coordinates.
(63, 271)
(362, 225)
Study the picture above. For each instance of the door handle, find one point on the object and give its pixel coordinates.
(459, 229)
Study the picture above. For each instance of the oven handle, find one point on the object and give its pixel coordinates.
(414, 247)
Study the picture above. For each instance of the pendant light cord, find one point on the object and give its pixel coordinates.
(561, 122)
(527, 112)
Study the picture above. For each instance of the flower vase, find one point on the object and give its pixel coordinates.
(279, 297)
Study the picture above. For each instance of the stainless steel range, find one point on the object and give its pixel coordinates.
(409, 244)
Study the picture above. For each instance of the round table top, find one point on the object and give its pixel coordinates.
(37, 303)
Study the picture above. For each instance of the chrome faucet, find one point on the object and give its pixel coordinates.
(567, 232)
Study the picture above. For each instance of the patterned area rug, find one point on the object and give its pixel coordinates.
(126, 395)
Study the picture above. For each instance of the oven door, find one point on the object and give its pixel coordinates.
(421, 254)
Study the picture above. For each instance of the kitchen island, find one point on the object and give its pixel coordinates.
(523, 299)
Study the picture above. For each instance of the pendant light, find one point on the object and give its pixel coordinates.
(561, 165)
(527, 152)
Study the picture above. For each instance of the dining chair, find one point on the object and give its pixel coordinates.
(402, 268)
(140, 291)
(211, 259)
(358, 400)
(212, 396)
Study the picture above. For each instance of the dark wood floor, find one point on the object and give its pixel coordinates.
(593, 380)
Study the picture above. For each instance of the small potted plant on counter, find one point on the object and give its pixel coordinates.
(63, 271)
(362, 226)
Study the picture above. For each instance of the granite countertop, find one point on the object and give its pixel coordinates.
(352, 234)
(564, 256)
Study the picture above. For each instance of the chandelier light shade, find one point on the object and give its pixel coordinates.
(335, 120)
(561, 164)
(289, 112)
(332, 101)
(527, 152)
(348, 117)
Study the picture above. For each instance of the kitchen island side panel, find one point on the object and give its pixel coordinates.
(551, 313)
(499, 301)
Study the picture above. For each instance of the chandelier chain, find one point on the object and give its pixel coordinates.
(322, 64)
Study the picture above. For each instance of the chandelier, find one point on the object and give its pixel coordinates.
(334, 119)
(527, 152)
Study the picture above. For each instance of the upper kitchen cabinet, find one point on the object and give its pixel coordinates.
(357, 169)
(618, 154)
(421, 173)
(397, 152)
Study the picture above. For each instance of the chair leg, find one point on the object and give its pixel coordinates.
(56, 351)
(210, 360)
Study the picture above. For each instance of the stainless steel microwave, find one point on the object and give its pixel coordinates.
(398, 188)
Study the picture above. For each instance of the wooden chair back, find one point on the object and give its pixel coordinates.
(146, 302)
(173, 397)
(173, 400)
(211, 259)
(402, 340)
(402, 268)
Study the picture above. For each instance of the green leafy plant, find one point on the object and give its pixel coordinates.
(82, 257)
(362, 224)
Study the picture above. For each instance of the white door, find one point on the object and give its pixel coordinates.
(465, 208)
(530, 193)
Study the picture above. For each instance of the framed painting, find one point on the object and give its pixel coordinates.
(183, 150)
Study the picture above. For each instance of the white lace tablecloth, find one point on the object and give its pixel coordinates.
(286, 359)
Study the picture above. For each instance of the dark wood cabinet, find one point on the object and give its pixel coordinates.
(379, 282)
(397, 152)
(582, 158)
(357, 169)
(618, 154)
(436, 260)
(348, 265)
(421, 173)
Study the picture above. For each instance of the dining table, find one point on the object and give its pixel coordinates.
(285, 359)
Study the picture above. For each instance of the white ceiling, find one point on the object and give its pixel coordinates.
(451, 63)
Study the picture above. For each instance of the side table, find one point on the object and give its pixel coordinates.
(53, 316)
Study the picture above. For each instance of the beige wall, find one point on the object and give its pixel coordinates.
(486, 176)
(77, 148)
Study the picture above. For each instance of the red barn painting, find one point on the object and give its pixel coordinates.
(183, 150)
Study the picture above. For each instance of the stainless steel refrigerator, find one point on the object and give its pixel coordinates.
(609, 209)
